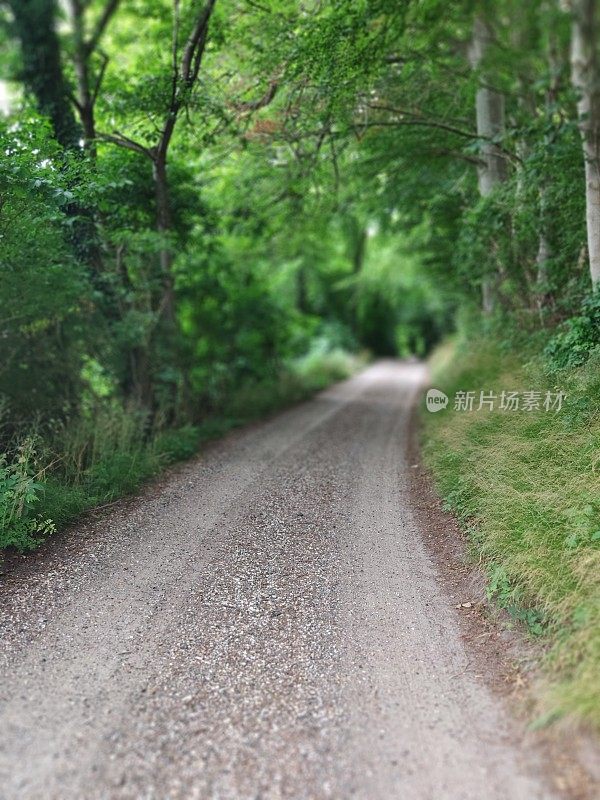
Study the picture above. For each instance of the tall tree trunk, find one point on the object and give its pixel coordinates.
(544, 254)
(586, 80)
(85, 101)
(163, 226)
(34, 22)
(84, 49)
(489, 106)
(358, 258)
(301, 293)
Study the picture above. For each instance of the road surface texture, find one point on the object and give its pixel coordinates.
(265, 623)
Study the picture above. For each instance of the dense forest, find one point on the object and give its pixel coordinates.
(211, 209)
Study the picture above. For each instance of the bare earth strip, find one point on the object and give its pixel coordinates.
(266, 624)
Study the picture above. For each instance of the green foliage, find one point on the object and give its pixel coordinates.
(20, 495)
(177, 444)
(45, 294)
(509, 597)
(576, 339)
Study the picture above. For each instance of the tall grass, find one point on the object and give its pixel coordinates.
(109, 450)
(527, 487)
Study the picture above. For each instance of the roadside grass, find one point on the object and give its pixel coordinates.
(49, 479)
(526, 486)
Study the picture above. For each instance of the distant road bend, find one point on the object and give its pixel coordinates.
(265, 623)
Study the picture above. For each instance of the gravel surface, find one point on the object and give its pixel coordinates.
(266, 623)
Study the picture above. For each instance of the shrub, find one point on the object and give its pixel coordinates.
(576, 338)
(178, 444)
(20, 491)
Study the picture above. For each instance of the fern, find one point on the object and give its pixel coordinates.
(20, 490)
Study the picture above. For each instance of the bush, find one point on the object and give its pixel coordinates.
(177, 444)
(20, 495)
(576, 338)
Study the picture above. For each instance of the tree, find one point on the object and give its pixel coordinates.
(41, 68)
(186, 61)
(84, 49)
(585, 73)
(489, 105)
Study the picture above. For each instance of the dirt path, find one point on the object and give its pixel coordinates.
(266, 624)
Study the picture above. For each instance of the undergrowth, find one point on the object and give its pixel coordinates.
(48, 478)
(526, 486)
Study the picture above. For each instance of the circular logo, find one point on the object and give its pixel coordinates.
(436, 400)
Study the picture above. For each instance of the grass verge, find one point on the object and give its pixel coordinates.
(526, 486)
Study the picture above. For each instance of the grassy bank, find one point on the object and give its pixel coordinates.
(50, 476)
(526, 486)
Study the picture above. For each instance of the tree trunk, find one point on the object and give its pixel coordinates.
(85, 102)
(358, 258)
(163, 226)
(544, 253)
(301, 293)
(489, 106)
(586, 80)
(42, 74)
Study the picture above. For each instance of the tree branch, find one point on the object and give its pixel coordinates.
(107, 13)
(478, 162)
(262, 102)
(190, 63)
(175, 51)
(129, 144)
(415, 119)
(259, 7)
(502, 153)
(99, 78)
(75, 102)
(188, 73)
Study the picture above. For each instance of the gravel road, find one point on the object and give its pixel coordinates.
(265, 623)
